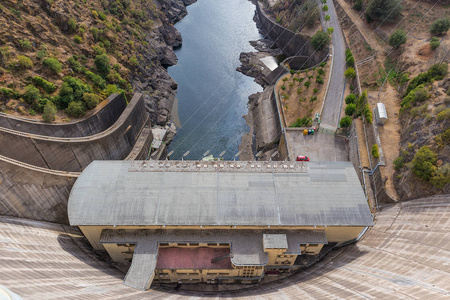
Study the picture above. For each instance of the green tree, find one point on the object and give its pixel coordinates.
(330, 30)
(350, 109)
(424, 163)
(351, 98)
(434, 42)
(441, 177)
(52, 64)
(307, 84)
(325, 8)
(72, 89)
(75, 109)
(350, 73)
(345, 122)
(368, 113)
(399, 162)
(375, 152)
(327, 18)
(31, 94)
(320, 39)
(384, 10)
(91, 100)
(102, 64)
(49, 112)
(440, 26)
(397, 39)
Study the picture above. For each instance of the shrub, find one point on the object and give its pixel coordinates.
(72, 89)
(420, 95)
(351, 98)
(375, 152)
(320, 39)
(315, 91)
(74, 64)
(397, 39)
(77, 39)
(31, 94)
(330, 30)
(361, 103)
(350, 73)
(6, 94)
(283, 87)
(25, 45)
(323, 64)
(440, 26)
(307, 84)
(424, 163)
(42, 53)
(75, 109)
(72, 25)
(292, 71)
(102, 64)
(441, 176)
(319, 79)
(101, 15)
(49, 87)
(299, 91)
(96, 79)
(345, 122)
(357, 5)
(382, 10)
(438, 71)
(434, 42)
(349, 58)
(313, 98)
(443, 115)
(49, 112)
(305, 121)
(91, 100)
(325, 8)
(320, 72)
(368, 113)
(52, 64)
(23, 62)
(350, 109)
(399, 162)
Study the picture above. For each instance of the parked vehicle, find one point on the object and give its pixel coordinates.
(302, 158)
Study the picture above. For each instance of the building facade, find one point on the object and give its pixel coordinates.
(216, 222)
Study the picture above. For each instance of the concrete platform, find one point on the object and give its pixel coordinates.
(318, 147)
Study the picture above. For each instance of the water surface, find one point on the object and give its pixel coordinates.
(212, 95)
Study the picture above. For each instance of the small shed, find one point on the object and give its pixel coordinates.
(381, 114)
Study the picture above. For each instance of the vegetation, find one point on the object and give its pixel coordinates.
(368, 113)
(350, 109)
(302, 122)
(397, 39)
(384, 10)
(440, 26)
(102, 64)
(424, 163)
(75, 109)
(44, 84)
(91, 100)
(349, 58)
(345, 122)
(434, 42)
(72, 90)
(375, 151)
(23, 62)
(320, 39)
(49, 112)
(350, 73)
(399, 162)
(351, 98)
(358, 5)
(52, 64)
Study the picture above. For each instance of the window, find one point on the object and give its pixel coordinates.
(193, 244)
(163, 244)
(224, 244)
(212, 244)
(182, 244)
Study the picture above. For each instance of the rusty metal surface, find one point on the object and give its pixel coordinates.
(405, 256)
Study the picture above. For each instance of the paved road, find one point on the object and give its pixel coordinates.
(330, 114)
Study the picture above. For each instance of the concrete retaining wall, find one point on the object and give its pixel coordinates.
(104, 116)
(74, 154)
(290, 43)
(34, 193)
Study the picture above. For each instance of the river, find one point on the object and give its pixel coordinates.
(212, 95)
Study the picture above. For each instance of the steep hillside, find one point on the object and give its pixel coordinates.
(70, 55)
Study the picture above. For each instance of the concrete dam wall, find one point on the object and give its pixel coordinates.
(290, 43)
(37, 172)
(74, 154)
(103, 118)
(34, 193)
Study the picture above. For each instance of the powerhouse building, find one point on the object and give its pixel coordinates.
(216, 222)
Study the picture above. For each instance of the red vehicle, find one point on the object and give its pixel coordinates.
(302, 158)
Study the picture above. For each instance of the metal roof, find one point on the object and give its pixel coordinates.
(218, 193)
